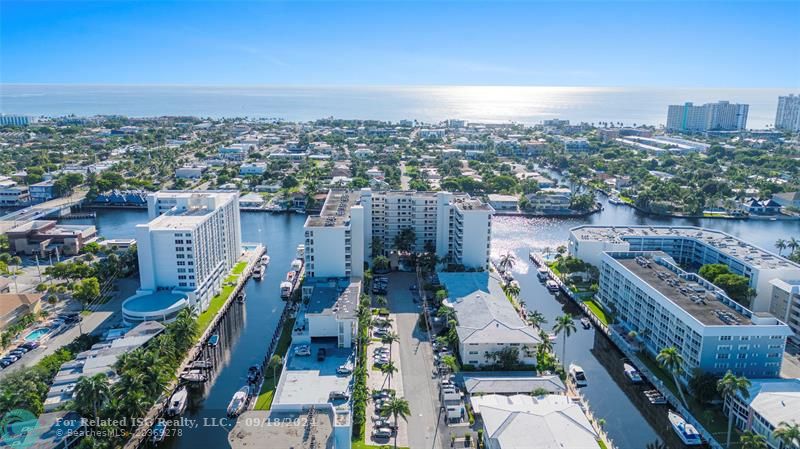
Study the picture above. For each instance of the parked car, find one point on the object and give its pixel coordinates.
(321, 354)
(5, 362)
(302, 350)
(342, 395)
(31, 345)
(385, 423)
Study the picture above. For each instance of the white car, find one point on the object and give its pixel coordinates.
(302, 350)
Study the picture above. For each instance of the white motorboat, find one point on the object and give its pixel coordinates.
(201, 364)
(159, 432)
(552, 286)
(578, 375)
(297, 264)
(194, 375)
(239, 401)
(286, 289)
(241, 297)
(686, 432)
(542, 274)
(655, 397)
(586, 323)
(265, 260)
(632, 373)
(177, 402)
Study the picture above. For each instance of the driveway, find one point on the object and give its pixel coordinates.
(416, 358)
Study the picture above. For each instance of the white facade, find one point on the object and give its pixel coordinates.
(770, 404)
(720, 116)
(191, 171)
(787, 117)
(690, 246)
(189, 246)
(668, 307)
(255, 168)
(785, 303)
(340, 240)
(13, 194)
(552, 198)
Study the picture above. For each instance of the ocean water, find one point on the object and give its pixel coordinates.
(491, 104)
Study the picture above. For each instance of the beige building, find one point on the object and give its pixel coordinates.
(13, 307)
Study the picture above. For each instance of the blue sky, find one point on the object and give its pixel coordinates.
(644, 43)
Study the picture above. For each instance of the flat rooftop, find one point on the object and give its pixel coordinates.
(335, 299)
(307, 381)
(154, 302)
(336, 210)
(257, 429)
(466, 203)
(724, 243)
(702, 304)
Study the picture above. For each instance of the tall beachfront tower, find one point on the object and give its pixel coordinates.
(787, 117)
(191, 243)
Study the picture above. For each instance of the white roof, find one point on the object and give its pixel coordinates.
(526, 422)
(776, 400)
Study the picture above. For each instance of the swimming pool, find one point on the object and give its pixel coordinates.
(37, 334)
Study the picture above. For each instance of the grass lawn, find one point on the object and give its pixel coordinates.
(711, 417)
(597, 311)
(602, 445)
(239, 267)
(216, 303)
(361, 444)
(231, 279)
(264, 401)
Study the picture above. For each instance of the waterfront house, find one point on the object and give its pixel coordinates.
(770, 403)
(787, 199)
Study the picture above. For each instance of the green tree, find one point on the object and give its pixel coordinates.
(788, 434)
(728, 387)
(86, 291)
(736, 286)
(780, 244)
(713, 270)
(91, 393)
(397, 408)
(656, 445)
(275, 362)
(750, 440)
(536, 318)
(672, 360)
(388, 369)
(507, 261)
(565, 326)
(388, 339)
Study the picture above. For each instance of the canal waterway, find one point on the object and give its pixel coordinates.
(247, 331)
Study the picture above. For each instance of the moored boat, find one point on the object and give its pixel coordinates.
(239, 401)
(578, 375)
(265, 260)
(655, 397)
(177, 402)
(686, 432)
(297, 264)
(542, 274)
(586, 323)
(552, 285)
(213, 340)
(241, 297)
(159, 432)
(258, 273)
(632, 373)
(286, 289)
(194, 375)
(201, 364)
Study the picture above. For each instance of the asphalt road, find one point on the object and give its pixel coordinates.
(416, 358)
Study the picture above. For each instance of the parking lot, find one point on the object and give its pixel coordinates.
(376, 380)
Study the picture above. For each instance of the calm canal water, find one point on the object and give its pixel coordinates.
(630, 420)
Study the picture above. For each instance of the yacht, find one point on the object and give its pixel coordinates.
(177, 402)
(297, 264)
(239, 401)
(265, 260)
(542, 274)
(632, 373)
(578, 375)
(213, 340)
(202, 364)
(552, 286)
(241, 297)
(686, 432)
(655, 397)
(586, 323)
(286, 289)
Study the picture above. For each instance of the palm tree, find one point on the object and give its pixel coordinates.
(781, 245)
(657, 444)
(446, 313)
(397, 407)
(729, 386)
(793, 244)
(672, 360)
(507, 261)
(564, 326)
(750, 440)
(382, 301)
(388, 339)
(546, 346)
(389, 369)
(536, 318)
(274, 362)
(91, 393)
(788, 434)
(512, 289)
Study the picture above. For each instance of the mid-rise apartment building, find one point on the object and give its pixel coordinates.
(720, 116)
(185, 252)
(341, 238)
(669, 307)
(787, 117)
(785, 303)
(690, 246)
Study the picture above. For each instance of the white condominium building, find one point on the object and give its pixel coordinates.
(341, 238)
(787, 117)
(689, 246)
(668, 307)
(720, 116)
(185, 252)
(785, 303)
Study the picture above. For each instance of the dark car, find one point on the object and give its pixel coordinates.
(321, 354)
(31, 345)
